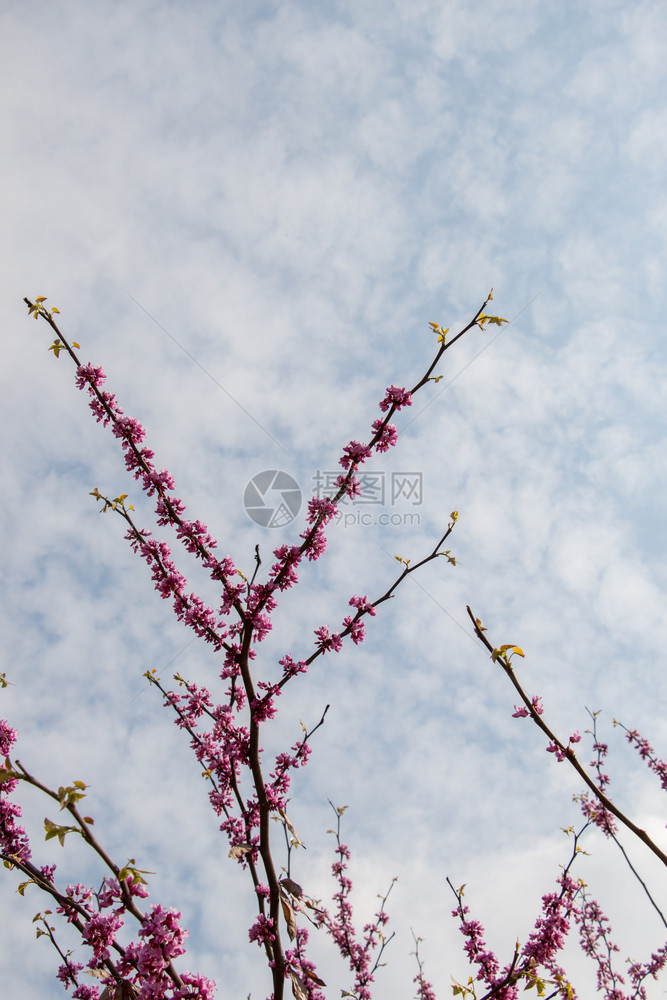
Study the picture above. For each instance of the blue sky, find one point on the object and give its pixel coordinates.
(288, 194)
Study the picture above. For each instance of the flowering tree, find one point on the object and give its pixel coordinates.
(247, 791)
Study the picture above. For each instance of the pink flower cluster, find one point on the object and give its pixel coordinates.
(14, 841)
(341, 927)
(552, 926)
(169, 510)
(262, 930)
(539, 952)
(387, 435)
(145, 964)
(522, 712)
(353, 627)
(425, 990)
(395, 399)
(559, 753)
(300, 968)
(647, 753)
(355, 454)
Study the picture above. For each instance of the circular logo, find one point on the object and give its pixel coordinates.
(272, 498)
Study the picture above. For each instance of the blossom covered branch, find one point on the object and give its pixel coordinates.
(225, 732)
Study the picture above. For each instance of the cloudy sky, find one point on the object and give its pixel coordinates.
(248, 213)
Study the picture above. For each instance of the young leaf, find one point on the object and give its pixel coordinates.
(54, 830)
(502, 652)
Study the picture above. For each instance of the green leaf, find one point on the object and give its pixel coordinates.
(54, 830)
(69, 796)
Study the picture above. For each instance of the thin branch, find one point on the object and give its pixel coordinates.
(567, 751)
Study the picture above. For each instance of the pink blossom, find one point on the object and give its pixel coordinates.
(100, 933)
(388, 435)
(398, 398)
(315, 544)
(109, 893)
(263, 709)
(352, 485)
(552, 926)
(67, 973)
(86, 993)
(328, 642)
(598, 814)
(195, 987)
(262, 930)
(355, 454)
(647, 753)
(321, 507)
(8, 737)
(363, 604)
(356, 629)
(425, 990)
(261, 626)
(129, 429)
(91, 375)
(559, 753)
(291, 668)
(13, 838)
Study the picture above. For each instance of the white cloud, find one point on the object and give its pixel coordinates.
(293, 192)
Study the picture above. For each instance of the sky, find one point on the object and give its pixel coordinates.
(248, 214)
